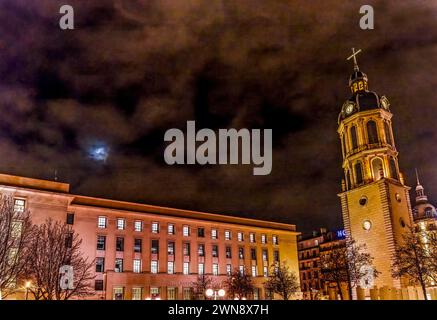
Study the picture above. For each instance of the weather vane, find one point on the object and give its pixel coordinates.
(354, 56)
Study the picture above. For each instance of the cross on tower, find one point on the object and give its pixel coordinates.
(354, 56)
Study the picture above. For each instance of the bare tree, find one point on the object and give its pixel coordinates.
(54, 245)
(239, 284)
(202, 283)
(413, 258)
(347, 263)
(15, 237)
(432, 247)
(282, 281)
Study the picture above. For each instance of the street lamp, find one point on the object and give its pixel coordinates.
(210, 292)
(27, 286)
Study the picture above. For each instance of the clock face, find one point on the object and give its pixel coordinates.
(367, 225)
(349, 108)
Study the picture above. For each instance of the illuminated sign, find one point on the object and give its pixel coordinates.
(341, 234)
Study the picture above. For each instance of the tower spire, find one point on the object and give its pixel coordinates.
(417, 178)
(354, 56)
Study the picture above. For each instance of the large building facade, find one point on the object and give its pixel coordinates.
(374, 199)
(150, 252)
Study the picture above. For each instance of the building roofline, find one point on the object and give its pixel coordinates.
(181, 213)
(31, 183)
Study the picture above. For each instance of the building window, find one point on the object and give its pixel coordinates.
(101, 242)
(187, 293)
(118, 293)
(137, 266)
(119, 244)
(201, 232)
(154, 293)
(118, 265)
(228, 252)
(215, 269)
(240, 236)
(154, 266)
(215, 251)
(265, 271)
(358, 173)
(170, 267)
(101, 222)
(170, 248)
(263, 239)
(171, 293)
(276, 256)
(154, 249)
(387, 133)
(138, 226)
(155, 227)
(100, 264)
(393, 169)
(201, 269)
(252, 237)
(121, 224)
(255, 293)
(275, 240)
(170, 228)
(354, 137)
(241, 252)
(186, 231)
(201, 250)
(70, 218)
(19, 205)
(254, 272)
(187, 249)
(265, 255)
(228, 235)
(228, 269)
(137, 293)
(137, 245)
(372, 132)
(186, 268)
(98, 285)
(214, 234)
(241, 268)
(253, 253)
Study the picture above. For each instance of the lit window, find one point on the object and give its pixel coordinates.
(252, 237)
(100, 264)
(263, 239)
(186, 268)
(155, 227)
(19, 205)
(228, 252)
(265, 255)
(214, 234)
(241, 252)
(118, 293)
(170, 228)
(137, 293)
(154, 293)
(254, 272)
(215, 251)
(171, 293)
(138, 226)
(186, 231)
(101, 222)
(266, 271)
(187, 249)
(201, 250)
(275, 240)
(154, 266)
(228, 235)
(240, 236)
(118, 265)
(170, 267)
(187, 293)
(137, 266)
(215, 269)
(228, 269)
(201, 269)
(241, 268)
(121, 224)
(170, 248)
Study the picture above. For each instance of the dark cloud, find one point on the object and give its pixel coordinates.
(133, 69)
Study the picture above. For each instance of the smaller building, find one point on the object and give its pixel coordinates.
(424, 213)
(310, 247)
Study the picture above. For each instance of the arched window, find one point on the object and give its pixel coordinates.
(348, 180)
(377, 169)
(358, 173)
(372, 132)
(354, 137)
(387, 133)
(393, 169)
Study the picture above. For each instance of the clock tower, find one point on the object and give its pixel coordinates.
(374, 199)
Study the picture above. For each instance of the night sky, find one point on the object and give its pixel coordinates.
(133, 69)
